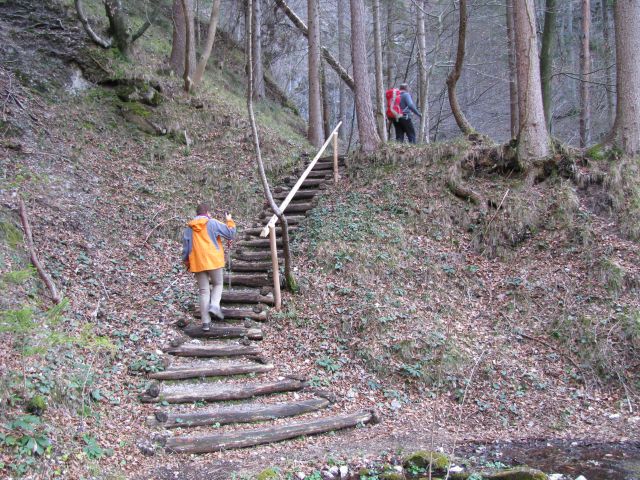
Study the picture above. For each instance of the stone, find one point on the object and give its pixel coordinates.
(519, 473)
(344, 472)
(423, 458)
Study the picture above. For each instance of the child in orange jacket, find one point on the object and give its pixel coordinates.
(203, 255)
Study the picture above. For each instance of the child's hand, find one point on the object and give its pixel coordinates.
(227, 216)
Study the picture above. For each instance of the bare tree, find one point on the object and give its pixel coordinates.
(626, 127)
(377, 47)
(585, 69)
(286, 252)
(326, 54)
(189, 47)
(546, 58)
(389, 44)
(454, 75)
(342, 58)
(513, 83)
(121, 35)
(181, 18)
(211, 35)
(369, 138)
(256, 46)
(533, 138)
(423, 75)
(606, 54)
(314, 133)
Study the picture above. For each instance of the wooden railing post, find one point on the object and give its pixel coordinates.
(276, 268)
(335, 158)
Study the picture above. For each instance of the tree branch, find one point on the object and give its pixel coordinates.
(148, 22)
(85, 23)
(55, 296)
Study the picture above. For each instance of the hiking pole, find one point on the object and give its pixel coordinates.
(229, 245)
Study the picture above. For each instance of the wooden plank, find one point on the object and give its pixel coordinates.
(247, 279)
(255, 231)
(247, 296)
(223, 331)
(301, 194)
(243, 413)
(259, 242)
(210, 369)
(220, 391)
(250, 438)
(240, 266)
(213, 350)
(255, 255)
(242, 313)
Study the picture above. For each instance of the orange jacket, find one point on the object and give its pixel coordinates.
(202, 243)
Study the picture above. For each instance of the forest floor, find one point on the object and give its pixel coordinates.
(410, 303)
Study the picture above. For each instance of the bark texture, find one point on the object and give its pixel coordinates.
(377, 48)
(178, 46)
(454, 75)
(342, 58)
(533, 138)
(546, 58)
(423, 75)
(256, 47)
(513, 82)
(585, 69)
(314, 133)
(369, 138)
(626, 128)
(606, 53)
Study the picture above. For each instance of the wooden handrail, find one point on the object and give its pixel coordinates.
(296, 187)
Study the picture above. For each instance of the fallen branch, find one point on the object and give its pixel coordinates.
(158, 225)
(55, 296)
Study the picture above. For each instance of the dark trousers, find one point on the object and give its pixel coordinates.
(404, 126)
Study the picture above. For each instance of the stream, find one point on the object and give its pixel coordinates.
(593, 460)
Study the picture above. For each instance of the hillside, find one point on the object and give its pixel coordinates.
(457, 326)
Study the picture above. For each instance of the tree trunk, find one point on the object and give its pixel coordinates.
(423, 77)
(626, 128)
(211, 35)
(585, 69)
(533, 138)
(369, 138)
(256, 45)
(118, 26)
(315, 103)
(513, 83)
(178, 47)
(606, 53)
(389, 45)
(546, 58)
(377, 47)
(324, 94)
(189, 46)
(342, 58)
(453, 77)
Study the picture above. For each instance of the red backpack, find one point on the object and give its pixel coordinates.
(394, 112)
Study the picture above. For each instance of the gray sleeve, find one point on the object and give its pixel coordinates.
(218, 229)
(186, 243)
(411, 106)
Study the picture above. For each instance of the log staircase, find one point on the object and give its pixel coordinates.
(221, 377)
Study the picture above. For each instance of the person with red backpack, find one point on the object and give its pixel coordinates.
(399, 108)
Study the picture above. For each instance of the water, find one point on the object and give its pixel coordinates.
(593, 460)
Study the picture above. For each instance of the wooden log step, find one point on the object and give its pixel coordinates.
(255, 255)
(318, 174)
(257, 312)
(242, 267)
(250, 438)
(209, 350)
(210, 368)
(219, 391)
(256, 231)
(223, 331)
(247, 296)
(300, 194)
(258, 243)
(242, 413)
(247, 279)
(311, 182)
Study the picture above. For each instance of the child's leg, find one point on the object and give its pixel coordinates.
(217, 282)
(204, 294)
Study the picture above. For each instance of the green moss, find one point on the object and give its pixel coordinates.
(596, 153)
(37, 405)
(268, 474)
(391, 476)
(137, 109)
(10, 234)
(520, 473)
(423, 458)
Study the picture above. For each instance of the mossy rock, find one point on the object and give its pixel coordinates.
(139, 92)
(391, 475)
(519, 473)
(268, 474)
(422, 458)
(37, 405)
(10, 234)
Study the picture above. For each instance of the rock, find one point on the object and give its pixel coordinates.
(146, 447)
(391, 476)
(301, 475)
(581, 477)
(268, 474)
(139, 92)
(423, 458)
(335, 471)
(520, 473)
(556, 476)
(344, 472)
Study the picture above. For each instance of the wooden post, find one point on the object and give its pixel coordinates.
(335, 158)
(276, 269)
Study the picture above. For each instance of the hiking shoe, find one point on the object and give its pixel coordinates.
(216, 312)
(206, 327)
